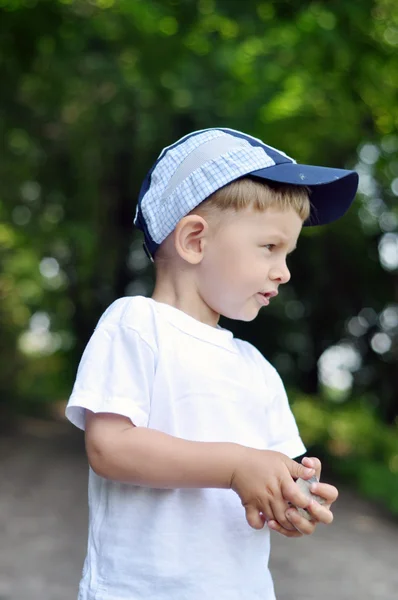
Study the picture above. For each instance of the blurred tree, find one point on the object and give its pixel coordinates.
(91, 92)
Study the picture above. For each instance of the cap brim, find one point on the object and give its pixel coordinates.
(332, 190)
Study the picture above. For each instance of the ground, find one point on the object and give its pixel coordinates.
(43, 519)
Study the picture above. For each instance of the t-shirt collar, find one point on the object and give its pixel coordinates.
(214, 335)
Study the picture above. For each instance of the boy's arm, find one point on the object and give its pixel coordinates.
(120, 451)
(263, 479)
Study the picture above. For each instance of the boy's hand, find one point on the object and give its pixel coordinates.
(319, 513)
(264, 481)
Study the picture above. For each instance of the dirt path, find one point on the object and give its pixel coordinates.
(43, 519)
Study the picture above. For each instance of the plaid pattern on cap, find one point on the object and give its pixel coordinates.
(170, 197)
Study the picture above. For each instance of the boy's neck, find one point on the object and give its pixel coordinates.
(183, 295)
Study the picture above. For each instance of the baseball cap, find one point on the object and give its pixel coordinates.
(200, 163)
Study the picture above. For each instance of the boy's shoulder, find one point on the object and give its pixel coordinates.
(131, 312)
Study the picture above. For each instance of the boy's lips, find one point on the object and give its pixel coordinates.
(264, 297)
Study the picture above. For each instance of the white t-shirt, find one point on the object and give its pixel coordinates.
(165, 370)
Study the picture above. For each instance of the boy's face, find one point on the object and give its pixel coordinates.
(245, 259)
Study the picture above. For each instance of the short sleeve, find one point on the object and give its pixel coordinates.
(115, 375)
(284, 433)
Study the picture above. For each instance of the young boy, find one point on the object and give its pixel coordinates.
(189, 433)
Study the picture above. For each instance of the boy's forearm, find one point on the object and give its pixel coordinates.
(151, 458)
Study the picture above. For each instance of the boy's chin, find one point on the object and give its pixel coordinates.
(250, 315)
(247, 314)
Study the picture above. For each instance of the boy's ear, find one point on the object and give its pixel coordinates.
(190, 237)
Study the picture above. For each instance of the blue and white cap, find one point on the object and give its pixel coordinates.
(200, 163)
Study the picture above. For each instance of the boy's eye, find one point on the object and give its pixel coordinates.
(269, 246)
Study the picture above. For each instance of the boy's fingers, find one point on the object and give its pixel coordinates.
(320, 513)
(297, 470)
(254, 518)
(326, 491)
(275, 526)
(300, 523)
(314, 463)
(292, 493)
(279, 509)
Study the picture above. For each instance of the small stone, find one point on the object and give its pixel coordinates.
(304, 485)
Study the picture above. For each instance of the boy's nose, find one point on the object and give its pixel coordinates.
(281, 274)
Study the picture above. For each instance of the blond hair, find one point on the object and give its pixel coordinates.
(250, 192)
(255, 193)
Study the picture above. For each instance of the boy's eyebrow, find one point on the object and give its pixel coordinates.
(285, 240)
(282, 239)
